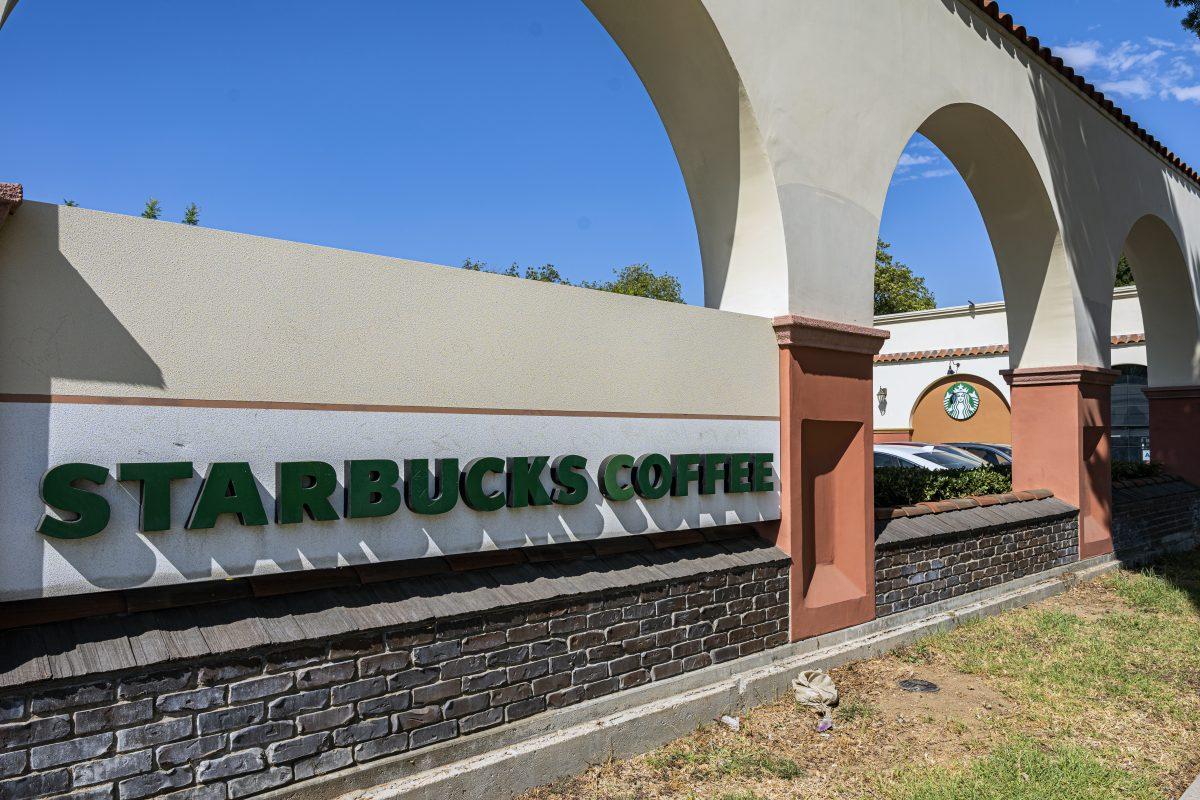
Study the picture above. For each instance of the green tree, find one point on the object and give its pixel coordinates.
(70, 203)
(635, 279)
(897, 288)
(191, 214)
(641, 281)
(1192, 20)
(152, 210)
(1124, 272)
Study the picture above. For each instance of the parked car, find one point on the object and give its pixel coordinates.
(975, 461)
(922, 456)
(997, 455)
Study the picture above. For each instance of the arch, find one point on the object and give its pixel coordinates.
(1020, 219)
(683, 63)
(991, 424)
(1168, 301)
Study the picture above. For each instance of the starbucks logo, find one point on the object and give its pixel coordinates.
(961, 401)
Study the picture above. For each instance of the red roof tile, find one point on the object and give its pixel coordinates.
(985, 350)
(992, 9)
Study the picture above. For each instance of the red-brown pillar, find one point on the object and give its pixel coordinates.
(1175, 430)
(1061, 422)
(827, 521)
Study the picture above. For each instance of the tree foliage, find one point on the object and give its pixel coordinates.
(191, 214)
(638, 280)
(641, 281)
(1124, 272)
(897, 288)
(1191, 20)
(152, 210)
(70, 203)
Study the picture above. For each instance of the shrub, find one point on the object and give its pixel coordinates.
(1128, 470)
(903, 486)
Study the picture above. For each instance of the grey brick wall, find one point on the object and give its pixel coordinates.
(1150, 519)
(920, 571)
(232, 728)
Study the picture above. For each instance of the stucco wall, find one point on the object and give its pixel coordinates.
(163, 342)
(958, 327)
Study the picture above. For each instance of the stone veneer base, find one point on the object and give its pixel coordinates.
(261, 718)
(504, 762)
(935, 557)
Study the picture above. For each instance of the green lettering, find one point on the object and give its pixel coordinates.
(685, 470)
(713, 469)
(416, 485)
(471, 484)
(610, 484)
(652, 476)
(524, 476)
(58, 490)
(229, 488)
(303, 487)
(737, 478)
(761, 475)
(570, 481)
(371, 488)
(154, 492)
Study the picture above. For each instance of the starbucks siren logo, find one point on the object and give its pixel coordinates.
(961, 401)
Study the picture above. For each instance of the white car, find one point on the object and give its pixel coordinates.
(923, 456)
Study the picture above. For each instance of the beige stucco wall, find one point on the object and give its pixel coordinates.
(102, 304)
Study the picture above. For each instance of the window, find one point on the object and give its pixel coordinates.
(1130, 415)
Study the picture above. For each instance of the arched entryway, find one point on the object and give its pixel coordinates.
(961, 408)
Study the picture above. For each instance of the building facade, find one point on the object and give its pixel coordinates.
(931, 352)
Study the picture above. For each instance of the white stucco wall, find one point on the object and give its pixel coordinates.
(962, 327)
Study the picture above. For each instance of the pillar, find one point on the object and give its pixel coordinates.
(1175, 430)
(1061, 422)
(827, 516)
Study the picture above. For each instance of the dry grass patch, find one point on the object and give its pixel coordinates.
(1093, 694)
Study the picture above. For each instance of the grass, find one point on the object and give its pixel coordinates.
(1092, 695)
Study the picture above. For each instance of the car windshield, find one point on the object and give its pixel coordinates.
(944, 459)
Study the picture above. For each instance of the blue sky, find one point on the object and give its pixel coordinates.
(439, 131)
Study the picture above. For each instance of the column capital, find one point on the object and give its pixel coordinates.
(1054, 376)
(1172, 392)
(823, 334)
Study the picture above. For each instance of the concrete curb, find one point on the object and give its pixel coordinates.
(506, 761)
(1193, 791)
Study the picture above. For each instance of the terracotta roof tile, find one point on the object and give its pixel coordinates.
(992, 9)
(985, 350)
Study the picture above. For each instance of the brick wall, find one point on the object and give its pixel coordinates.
(934, 557)
(1154, 516)
(233, 727)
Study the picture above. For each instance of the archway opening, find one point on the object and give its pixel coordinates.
(1168, 303)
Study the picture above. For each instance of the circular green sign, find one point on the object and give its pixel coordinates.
(961, 401)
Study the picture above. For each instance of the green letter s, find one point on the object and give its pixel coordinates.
(58, 490)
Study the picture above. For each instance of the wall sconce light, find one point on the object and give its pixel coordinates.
(881, 396)
(954, 367)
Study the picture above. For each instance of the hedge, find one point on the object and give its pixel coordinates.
(1128, 470)
(903, 486)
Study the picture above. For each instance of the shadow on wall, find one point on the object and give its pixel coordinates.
(55, 328)
(1131, 209)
